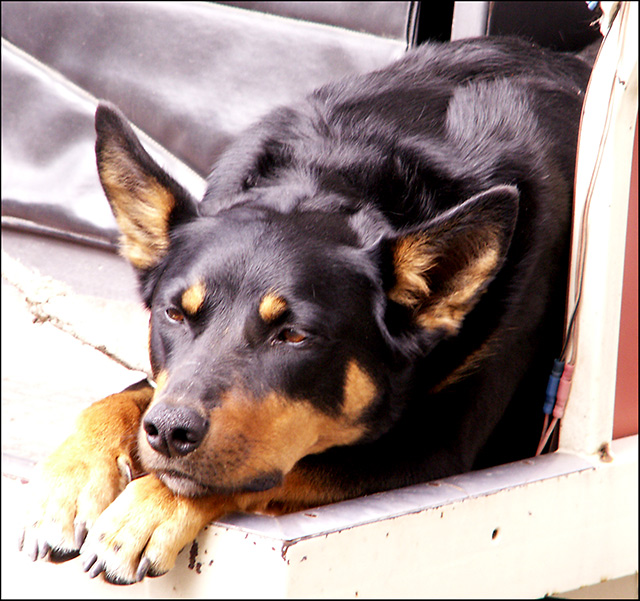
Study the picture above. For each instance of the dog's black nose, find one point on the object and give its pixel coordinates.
(174, 431)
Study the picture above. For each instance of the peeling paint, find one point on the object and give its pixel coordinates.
(193, 554)
(605, 453)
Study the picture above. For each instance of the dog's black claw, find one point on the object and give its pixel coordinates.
(89, 561)
(97, 569)
(143, 568)
(80, 534)
(44, 551)
(21, 541)
(32, 551)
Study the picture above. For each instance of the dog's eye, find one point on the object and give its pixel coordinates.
(175, 314)
(291, 336)
(250, 181)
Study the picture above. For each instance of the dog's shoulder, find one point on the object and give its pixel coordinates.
(411, 130)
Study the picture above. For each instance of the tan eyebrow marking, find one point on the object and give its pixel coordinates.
(271, 307)
(193, 297)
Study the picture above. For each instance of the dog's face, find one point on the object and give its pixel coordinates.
(266, 340)
(275, 335)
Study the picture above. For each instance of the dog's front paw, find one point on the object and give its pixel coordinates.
(143, 530)
(84, 475)
(73, 487)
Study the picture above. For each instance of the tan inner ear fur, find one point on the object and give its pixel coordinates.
(449, 311)
(142, 208)
(411, 263)
(414, 258)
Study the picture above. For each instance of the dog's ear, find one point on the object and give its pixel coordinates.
(145, 200)
(440, 270)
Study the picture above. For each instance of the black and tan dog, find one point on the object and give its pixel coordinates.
(370, 295)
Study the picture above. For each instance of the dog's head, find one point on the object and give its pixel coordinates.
(275, 334)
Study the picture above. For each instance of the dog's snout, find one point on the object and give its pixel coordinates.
(174, 431)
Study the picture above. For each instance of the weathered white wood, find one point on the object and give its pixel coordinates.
(531, 528)
(588, 422)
